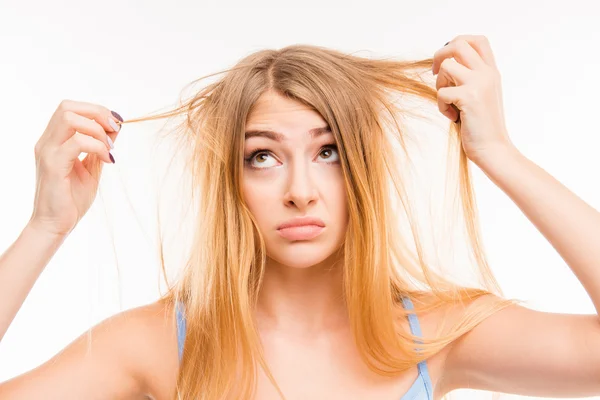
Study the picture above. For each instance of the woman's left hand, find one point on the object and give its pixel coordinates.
(469, 79)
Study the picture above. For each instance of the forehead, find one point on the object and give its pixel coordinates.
(275, 112)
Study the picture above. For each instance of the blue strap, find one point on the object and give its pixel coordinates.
(415, 328)
(179, 308)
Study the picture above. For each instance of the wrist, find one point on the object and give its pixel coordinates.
(494, 154)
(41, 235)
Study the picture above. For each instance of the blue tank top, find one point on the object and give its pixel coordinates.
(421, 389)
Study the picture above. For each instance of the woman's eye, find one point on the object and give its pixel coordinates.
(329, 149)
(261, 157)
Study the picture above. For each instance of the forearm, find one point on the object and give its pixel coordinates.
(20, 266)
(566, 221)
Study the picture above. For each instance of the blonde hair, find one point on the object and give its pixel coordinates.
(222, 276)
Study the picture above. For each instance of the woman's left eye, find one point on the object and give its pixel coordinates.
(328, 149)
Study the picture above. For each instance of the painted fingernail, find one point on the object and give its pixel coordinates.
(117, 116)
(111, 157)
(113, 125)
(110, 142)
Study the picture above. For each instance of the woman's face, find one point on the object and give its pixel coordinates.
(295, 174)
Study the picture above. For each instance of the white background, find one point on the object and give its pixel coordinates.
(135, 57)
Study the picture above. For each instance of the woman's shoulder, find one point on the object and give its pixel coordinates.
(151, 334)
(128, 355)
(439, 319)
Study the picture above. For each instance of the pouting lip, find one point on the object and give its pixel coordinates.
(300, 221)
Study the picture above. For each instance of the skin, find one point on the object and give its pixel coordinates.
(300, 310)
(297, 177)
(516, 350)
(300, 313)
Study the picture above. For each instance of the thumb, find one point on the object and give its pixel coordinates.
(92, 163)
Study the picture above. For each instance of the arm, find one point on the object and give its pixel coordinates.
(20, 267)
(522, 351)
(65, 189)
(115, 361)
(118, 357)
(131, 355)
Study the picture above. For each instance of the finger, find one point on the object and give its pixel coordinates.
(462, 52)
(91, 165)
(100, 114)
(80, 143)
(97, 112)
(448, 99)
(71, 123)
(482, 46)
(452, 73)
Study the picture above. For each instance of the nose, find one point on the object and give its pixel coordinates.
(300, 191)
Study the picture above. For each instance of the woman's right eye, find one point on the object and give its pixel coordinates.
(261, 153)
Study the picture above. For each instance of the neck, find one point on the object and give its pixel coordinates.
(302, 300)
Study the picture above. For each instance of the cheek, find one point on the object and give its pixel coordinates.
(258, 196)
(335, 184)
(342, 202)
(335, 198)
(249, 194)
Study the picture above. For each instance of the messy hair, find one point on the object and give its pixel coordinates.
(359, 99)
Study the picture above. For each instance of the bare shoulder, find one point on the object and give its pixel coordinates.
(438, 322)
(153, 333)
(461, 354)
(132, 354)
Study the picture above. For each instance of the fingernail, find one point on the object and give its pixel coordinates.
(117, 116)
(113, 125)
(111, 157)
(110, 142)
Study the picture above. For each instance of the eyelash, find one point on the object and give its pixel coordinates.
(248, 160)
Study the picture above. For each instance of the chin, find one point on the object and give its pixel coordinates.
(300, 254)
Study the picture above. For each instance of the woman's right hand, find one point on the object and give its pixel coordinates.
(65, 185)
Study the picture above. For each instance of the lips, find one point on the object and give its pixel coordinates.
(301, 221)
(301, 228)
(301, 232)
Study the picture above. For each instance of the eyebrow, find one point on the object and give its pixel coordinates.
(279, 137)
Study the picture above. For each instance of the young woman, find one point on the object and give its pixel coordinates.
(299, 284)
